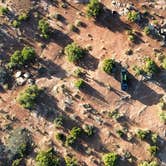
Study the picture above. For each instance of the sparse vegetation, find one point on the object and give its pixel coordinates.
(59, 121)
(44, 27)
(29, 97)
(93, 8)
(151, 163)
(142, 134)
(47, 158)
(108, 65)
(23, 17)
(88, 129)
(150, 66)
(133, 16)
(153, 150)
(147, 30)
(79, 83)
(4, 10)
(74, 52)
(110, 159)
(71, 161)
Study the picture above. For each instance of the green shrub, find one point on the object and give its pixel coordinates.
(154, 138)
(147, 30)
(133, 16)
(47, 158)
(93, 8)
(4, 10)
(153, 150)
(73, 135)
(163, 116)
(138, 71)
(79, 83)
(146, 163)
(20, 58)
(142, 134)
(44, 27)
(71, 161)
(59, 121)
(17, 162)
(28, 98)
(16, 23)
(150, 66)
(78, 72)
(164, 63)
(108, 65)
(60, 137)
(120, 133)
(23, 17)
(110, 159)
(74, 52)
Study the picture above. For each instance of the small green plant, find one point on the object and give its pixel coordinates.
(115, 114)
(147, 30)
(142, 134)
(78, 72)
(44, 27)
(163, 116)
(110, 159)
(163, 64)
(79, 83)
(47, 158)
(60, 137)
(151, 163)
(150, 66)
(108, 65)
(138, 71)
(29, 97)
(133, 16)
(74, 52)
(17, 162)
(153, 150)
(154, 138)
(4, 10)
(73, 135)
(71, 161)
(88, 129)
(120, 133)
(16, 23)
(23, 17)
(59, 121)
(93, 8)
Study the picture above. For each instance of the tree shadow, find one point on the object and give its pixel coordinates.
(88, 62)
(89, 90)
(48, 68)
(111, 21)
(138, 90)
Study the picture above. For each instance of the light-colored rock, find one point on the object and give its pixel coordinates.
(18, 74)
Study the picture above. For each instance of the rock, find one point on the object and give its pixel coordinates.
(27, 75)
(18, 74)
(31, 81)
(20, 81)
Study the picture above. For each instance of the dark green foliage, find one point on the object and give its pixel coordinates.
(110, 159)
(23, 17)
(108, 65)
(79, 83)
(133, 16)
(153, 150)
(71, 161)
(147, 30)
(28, 98)
(16, 23)
(21, 58)
(60, 137)
(120, 133)
(142, 134)
(93, 8)
(44, 27)
(89, 130)
(4, 10)
(74, 52)
(73, 135)
(47, 158)
(151, 163)
(19, 144)
(150, 66)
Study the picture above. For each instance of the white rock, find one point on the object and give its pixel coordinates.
(20, 81)
(18, 74)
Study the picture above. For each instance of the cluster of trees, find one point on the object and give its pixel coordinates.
(21, 58)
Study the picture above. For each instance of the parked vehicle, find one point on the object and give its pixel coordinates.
(124, 80)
